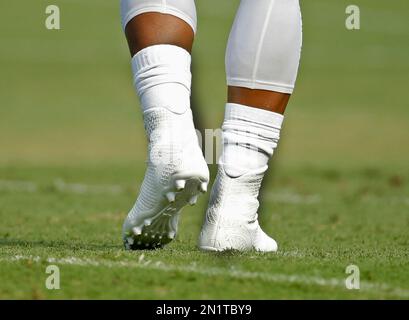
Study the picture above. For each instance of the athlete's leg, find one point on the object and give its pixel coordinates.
(263, 55)
(261, 64)
(153, 28)
(160, 36)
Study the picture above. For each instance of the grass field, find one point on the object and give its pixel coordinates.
(72, 152)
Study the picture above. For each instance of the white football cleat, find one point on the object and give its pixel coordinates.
(231, 218)
(177, 173)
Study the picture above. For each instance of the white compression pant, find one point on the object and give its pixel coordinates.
(264, 46)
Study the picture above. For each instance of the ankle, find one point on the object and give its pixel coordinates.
(250, 136)
(162, 77)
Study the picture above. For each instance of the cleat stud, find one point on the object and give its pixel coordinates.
(193, 200)
(171, 234)
(170, 196)
(180, 184)
(130, 240)
(136, 231)
(203, 187)
(147, 222)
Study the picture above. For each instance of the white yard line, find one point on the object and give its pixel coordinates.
(285, 197)
(61, 186)
(292, 197)
(194, 268)
(81, 188)
(85, 189)
(18, 186)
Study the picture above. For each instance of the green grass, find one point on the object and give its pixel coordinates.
(336, 194)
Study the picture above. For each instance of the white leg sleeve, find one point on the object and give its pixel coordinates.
(183, 9)
(264, 46)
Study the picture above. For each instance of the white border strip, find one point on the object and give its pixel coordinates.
(142, 263)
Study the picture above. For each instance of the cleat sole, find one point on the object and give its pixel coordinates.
(160, 227)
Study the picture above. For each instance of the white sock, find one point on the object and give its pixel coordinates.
(162, 77)
(250, 136)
